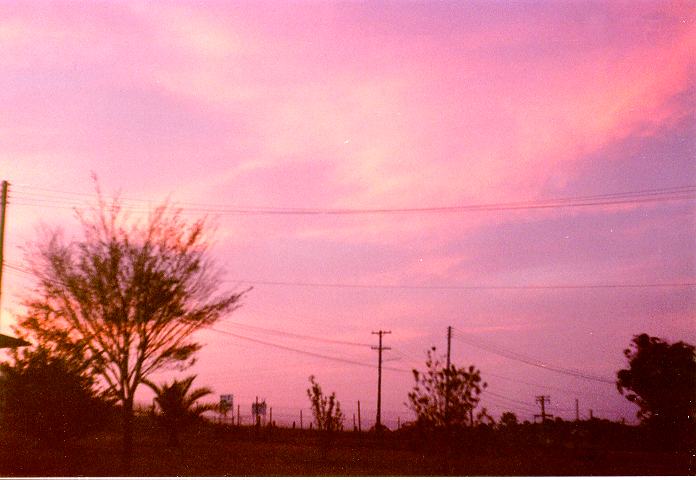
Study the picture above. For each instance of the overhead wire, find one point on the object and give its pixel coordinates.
(650, 191)
(306, 352)
(533, 362)
(465, 287)
(497, 350)
(284, 333)
(687, 192)
(441, 287)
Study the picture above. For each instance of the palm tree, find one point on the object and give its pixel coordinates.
(178, 406)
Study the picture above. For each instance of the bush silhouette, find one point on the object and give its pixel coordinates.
(326, 410)
(179, 406)
(50, 399)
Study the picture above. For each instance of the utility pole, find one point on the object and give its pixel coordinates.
(542, 400)
(577, 410)
(3, 207)
(359, 419)
(6, 341)
(378, 424)
(447, 376)
(238, 416)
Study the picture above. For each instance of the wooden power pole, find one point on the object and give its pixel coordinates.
(3, 208)
(359, 418)
(447, 377)
(542, 400)
(5, 340)
(380, 348)
(577, 410)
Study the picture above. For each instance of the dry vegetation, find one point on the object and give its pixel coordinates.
(227, 451)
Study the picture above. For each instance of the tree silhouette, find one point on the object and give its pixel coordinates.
(445, 396)
(508, 420)
(179, 406)
(326, 410)
(125, 298)
(661, 380)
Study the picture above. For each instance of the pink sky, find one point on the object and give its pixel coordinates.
(348, 105)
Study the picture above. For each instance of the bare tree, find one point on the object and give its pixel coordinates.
(125, 298)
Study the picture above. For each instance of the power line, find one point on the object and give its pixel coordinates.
(465, 287)
(24, 273)
(410, 357)
(297, 335)
(513, 400)
(531, 384)
(452, 209)
(537, 363)
(496, 350)
(687, 192)
(305, 352)
(52, 194)
(399, 351)
(433, 287)
(494, 375)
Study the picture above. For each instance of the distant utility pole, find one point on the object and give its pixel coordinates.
(238, 416)
(542, 400)
(447, 378)
(378, 424)
(359, 418)
(577, 410)
(3, 208)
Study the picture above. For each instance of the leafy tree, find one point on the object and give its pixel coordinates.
(445, 396)
(50, 399)
(661, 380)
(508, 420)
(125, 298)
(327, 410)
(179, 406)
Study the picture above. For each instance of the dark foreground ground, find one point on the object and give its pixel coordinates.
(225, 451)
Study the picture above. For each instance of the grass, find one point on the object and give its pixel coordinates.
(212, 450)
